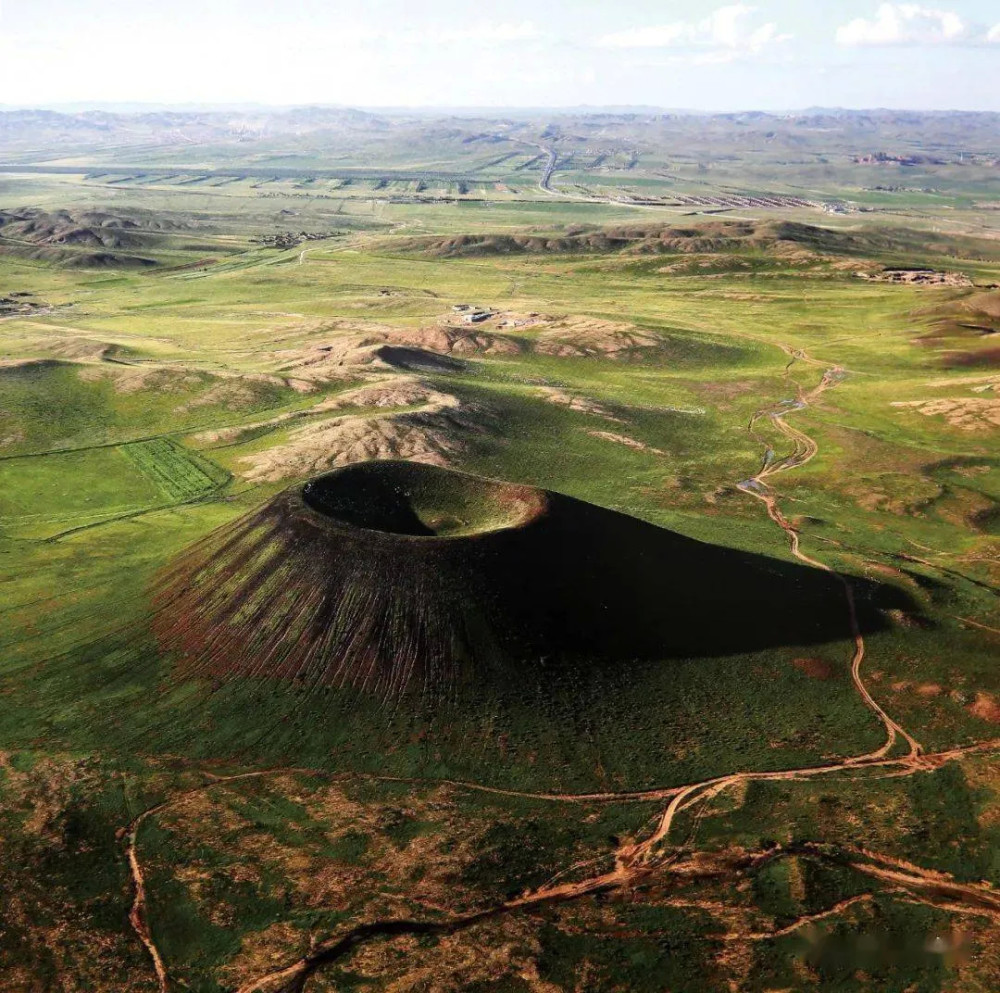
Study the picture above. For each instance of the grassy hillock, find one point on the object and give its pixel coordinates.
(964, 331)
(865, 241)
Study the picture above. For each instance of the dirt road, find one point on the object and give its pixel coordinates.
(804, 450)
(545, 183)
(635, 862)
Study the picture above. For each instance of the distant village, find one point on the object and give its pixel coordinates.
(289, 239)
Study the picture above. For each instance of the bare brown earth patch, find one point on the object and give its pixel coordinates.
(873, 500)
(450, 340)
(927, 690)
(434, 434)
(887, 570)
(624, 439)
(394, 393)
(978, 384)
(815, 668)
(233, 433)
(986, 707)
(903, 497)
(232, 390)
(574, 335)
(480, 960)
(692, 266)
(127, 379)
(726, 389)
(400, 392)
(262, 952)
(14, 438)
(984, 774)
(75, 348)
(324, 446)
(964, 413)
(323, 883)
(585, 405)
(351, 346)
(589, 337)
(232, 394)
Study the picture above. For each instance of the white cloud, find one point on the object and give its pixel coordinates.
(727, 32)
(661, 36)
(484, 32)
(911, 24)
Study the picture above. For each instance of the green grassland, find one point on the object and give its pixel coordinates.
(130, 404)
(716, 334)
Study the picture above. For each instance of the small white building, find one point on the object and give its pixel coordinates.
(477, 316)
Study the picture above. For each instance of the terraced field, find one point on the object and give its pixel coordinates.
(179, 475)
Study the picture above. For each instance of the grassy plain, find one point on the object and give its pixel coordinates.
(133, 405)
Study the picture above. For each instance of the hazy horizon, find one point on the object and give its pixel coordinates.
(129, 107)
(769, 56)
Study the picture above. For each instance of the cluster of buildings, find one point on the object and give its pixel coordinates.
(471, 314)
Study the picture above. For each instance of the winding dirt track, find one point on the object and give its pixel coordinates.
(633, 863)
(805, 449)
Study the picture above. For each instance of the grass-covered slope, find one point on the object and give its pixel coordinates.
(595, 648)
(659, 238)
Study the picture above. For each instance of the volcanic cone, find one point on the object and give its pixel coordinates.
(399, 578)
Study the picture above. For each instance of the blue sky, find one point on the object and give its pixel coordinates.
(772, 54)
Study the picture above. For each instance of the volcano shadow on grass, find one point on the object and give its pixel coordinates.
(396, 578)
(417, 359)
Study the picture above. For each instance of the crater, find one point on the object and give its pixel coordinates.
(420, 501)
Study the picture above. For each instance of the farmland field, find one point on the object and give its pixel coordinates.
(707, 698)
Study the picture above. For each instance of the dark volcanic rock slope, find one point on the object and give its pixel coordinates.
(397, 578)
